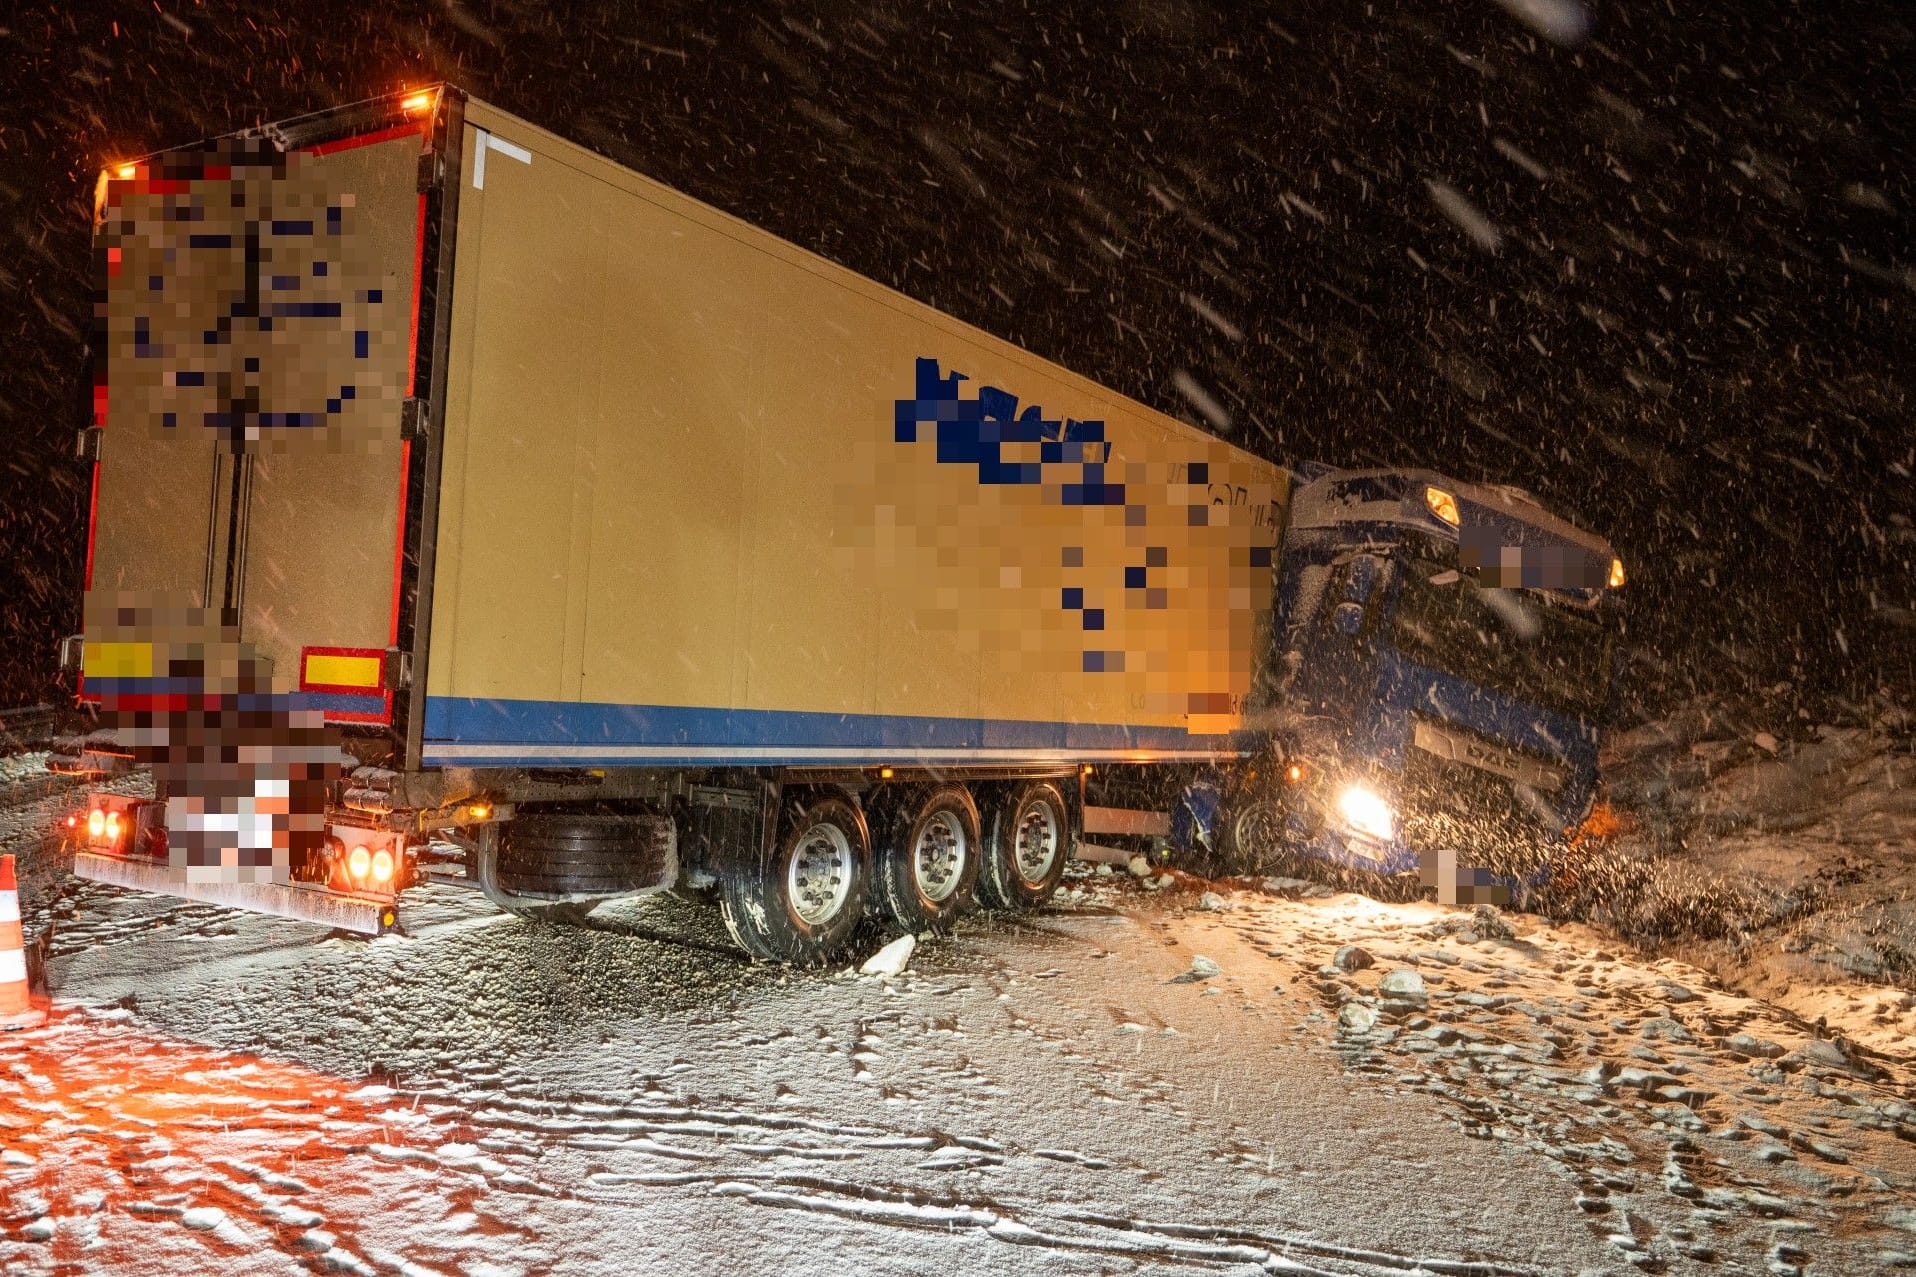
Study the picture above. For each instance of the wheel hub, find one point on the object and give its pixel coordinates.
(819, 880)
(1260, 827)
(939, 857)
(1035, 845)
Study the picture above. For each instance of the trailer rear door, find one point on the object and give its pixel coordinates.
(255, 345)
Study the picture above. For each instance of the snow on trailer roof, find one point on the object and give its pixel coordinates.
(297, 131)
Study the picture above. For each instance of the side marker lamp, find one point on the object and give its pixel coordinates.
(1442, 504)
(1616, 574)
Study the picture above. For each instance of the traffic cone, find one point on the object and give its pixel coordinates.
(16, 996)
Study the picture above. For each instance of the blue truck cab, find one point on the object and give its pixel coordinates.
(1443, 664)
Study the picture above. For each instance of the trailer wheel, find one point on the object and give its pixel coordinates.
(927, 867)
(1027, 841)
(802, 904)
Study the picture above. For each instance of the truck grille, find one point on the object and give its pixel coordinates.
(1480, 814)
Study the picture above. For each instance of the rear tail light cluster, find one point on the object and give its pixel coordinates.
(104, 825)
(363, 865)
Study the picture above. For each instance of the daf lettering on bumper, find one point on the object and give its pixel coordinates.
(1473, 751)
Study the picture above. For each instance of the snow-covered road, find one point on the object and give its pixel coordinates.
(1055, 1093)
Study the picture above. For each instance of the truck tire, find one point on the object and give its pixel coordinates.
(1250, 836)
(803, 903)
(927, 863)
(559, 854)
(1027, 841)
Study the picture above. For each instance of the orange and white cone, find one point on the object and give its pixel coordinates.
(16, 996)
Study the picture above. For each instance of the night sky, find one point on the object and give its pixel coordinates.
(1663, 275)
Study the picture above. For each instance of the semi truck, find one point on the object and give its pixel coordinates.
(470, 507)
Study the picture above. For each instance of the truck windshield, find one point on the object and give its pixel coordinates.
(1516, 642)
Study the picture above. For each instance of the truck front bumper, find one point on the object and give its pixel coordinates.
(367, 914)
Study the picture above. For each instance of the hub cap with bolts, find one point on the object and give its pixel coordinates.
(1259, 829)
(939, 856)
(1036, 844)
(820, 877)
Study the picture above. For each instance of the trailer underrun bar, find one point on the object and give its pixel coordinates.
(367, 915)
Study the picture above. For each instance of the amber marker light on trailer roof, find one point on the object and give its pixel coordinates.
(415, 102)
(124, 171)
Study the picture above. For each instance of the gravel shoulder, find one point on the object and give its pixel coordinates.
(1268, 1079)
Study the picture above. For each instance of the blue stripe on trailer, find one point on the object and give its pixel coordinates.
(519, 733)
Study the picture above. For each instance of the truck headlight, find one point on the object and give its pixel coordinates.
(1366, 813)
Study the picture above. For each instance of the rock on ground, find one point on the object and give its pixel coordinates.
(1352, 957)
(1404, 983)
(892, 959)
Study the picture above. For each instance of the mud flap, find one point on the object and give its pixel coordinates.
(368, 915)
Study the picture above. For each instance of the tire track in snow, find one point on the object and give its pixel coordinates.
(108, 1134)
(764, 1159)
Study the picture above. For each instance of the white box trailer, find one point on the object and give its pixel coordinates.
(620, 540)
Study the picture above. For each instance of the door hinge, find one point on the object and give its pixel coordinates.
(395, 671)
(86, 443)
(414, 414)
